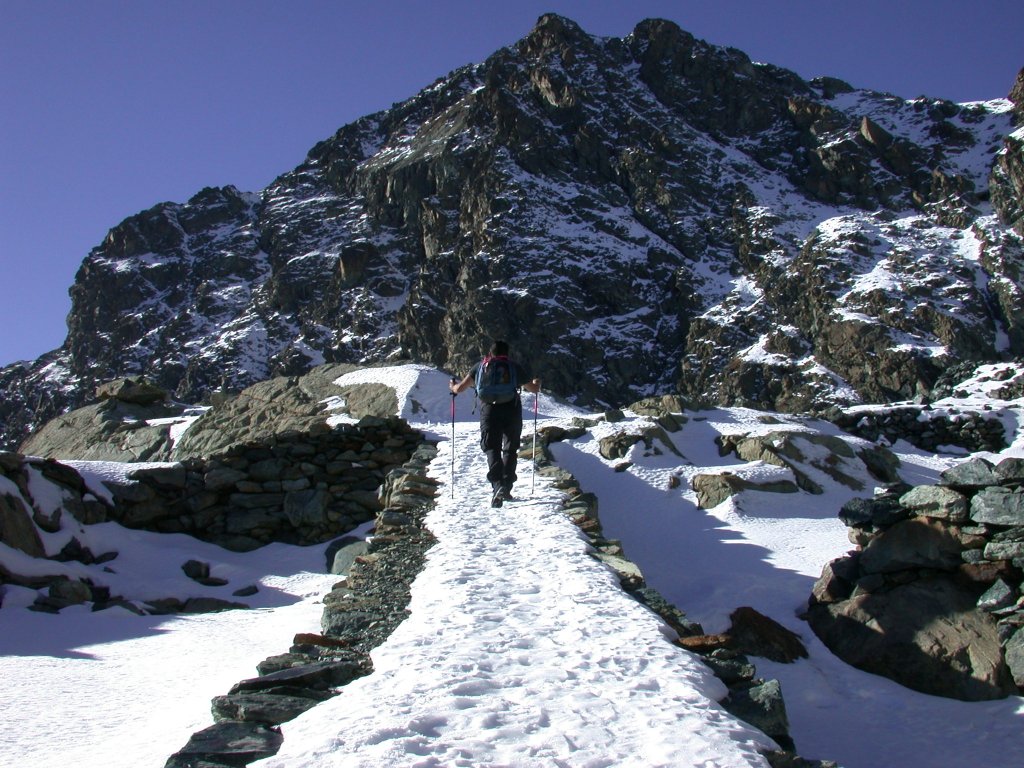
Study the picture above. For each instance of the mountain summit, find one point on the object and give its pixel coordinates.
(640, 215)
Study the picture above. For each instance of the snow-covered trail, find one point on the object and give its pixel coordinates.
(520, 650)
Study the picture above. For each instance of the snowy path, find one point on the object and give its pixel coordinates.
(521, 649)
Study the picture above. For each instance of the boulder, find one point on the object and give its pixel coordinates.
(755, 634)
(762, 706)
(791, 449)
(264, 410)
(882, 463)
(925, 635)
(998, 506)
(936, 502)
(973, 474)
(137, 391)
(1010, 472)
(111, 430)
(880, 511)
(306, 508)
(712, 490)
(343, 553)
(915, 543)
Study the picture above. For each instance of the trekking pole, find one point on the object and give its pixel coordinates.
(533, 475)
(453, 441)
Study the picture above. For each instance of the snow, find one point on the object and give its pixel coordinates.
(520, 649)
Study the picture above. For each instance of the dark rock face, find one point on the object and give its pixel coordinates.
(637, 215)
(925, 635)
(932, 599)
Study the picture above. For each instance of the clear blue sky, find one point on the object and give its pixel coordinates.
(109, 107)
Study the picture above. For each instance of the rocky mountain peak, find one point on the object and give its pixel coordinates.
(635, 216)
(1017, 95)
(554, 34)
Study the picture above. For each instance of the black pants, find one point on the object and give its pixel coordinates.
(501, 432)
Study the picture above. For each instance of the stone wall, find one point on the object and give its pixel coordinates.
(295, 487)
(926, 428)
(360, 612)
(932, 597)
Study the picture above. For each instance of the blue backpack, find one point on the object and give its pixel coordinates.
(496, 380)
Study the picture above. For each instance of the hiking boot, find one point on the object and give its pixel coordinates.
(497, 498)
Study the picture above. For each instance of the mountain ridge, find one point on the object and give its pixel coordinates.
(636, 215)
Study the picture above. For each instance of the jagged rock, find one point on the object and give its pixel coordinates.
(261, 411)
(881, 462)
(665, 405)
(628, 573)
(705, 644)
(755, 634)
(731, 667)
(1009, 548)
(999, 595)
(16, 528)
(784, 449)
(282, 661)
(70, 591)
(618, 445)
(836, 581)
(674, 617)
(199, 572)
(749, 633)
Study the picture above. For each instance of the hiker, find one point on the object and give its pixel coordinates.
(497, 380)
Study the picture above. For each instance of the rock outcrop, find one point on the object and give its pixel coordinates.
(141, 425)
(932, 596)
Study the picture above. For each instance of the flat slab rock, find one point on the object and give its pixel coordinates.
(260, 707)
(229, 743)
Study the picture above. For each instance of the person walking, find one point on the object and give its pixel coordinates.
(498, 380)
